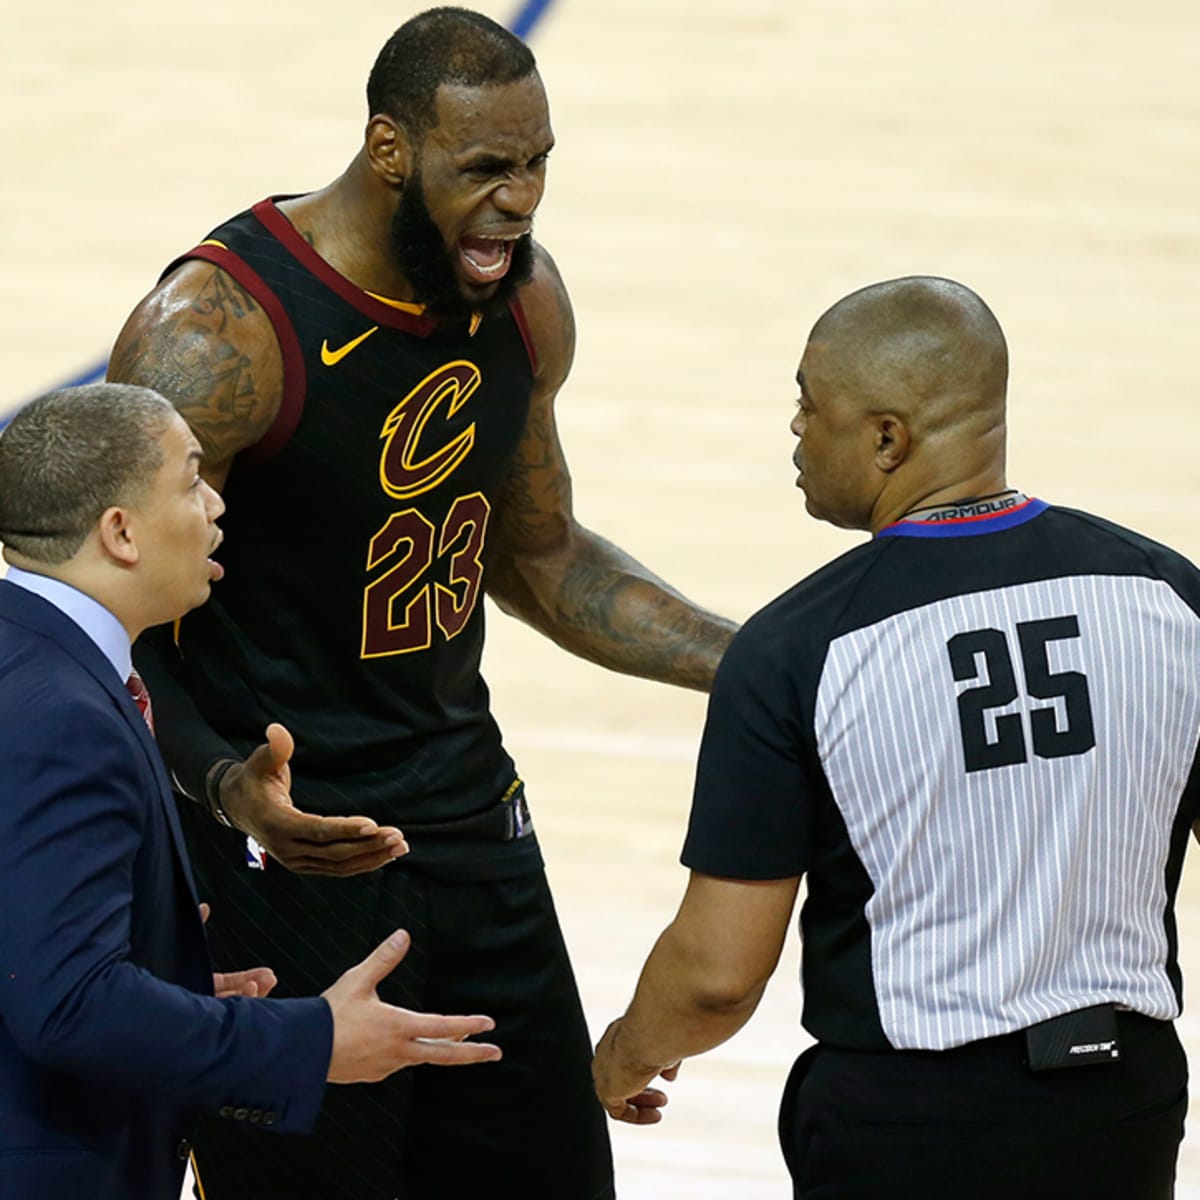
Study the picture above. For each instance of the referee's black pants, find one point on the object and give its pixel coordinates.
(975, 1123)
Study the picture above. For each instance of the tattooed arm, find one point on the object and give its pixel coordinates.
(566, 581)
(207, 346)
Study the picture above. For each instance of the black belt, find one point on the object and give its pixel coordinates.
(505, 821)
(1086, 1037)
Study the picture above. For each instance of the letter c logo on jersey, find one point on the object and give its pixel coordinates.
(401, 473)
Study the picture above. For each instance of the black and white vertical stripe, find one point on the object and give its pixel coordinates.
(1010, 895)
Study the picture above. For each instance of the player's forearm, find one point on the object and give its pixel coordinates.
(602, 604)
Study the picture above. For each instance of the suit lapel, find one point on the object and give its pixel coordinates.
(41, 617)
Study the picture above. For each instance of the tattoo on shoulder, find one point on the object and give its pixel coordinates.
(193, 358)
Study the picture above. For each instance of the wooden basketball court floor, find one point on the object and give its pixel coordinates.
(726, 169)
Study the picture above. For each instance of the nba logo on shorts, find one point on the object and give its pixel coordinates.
(256, 856)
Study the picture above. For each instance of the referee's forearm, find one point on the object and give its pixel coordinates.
(685, 1004)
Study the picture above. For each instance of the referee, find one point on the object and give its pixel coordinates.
(975, 737)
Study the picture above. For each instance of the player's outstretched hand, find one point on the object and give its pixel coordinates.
(257, 797)
(622, 1085)
(372, 1039)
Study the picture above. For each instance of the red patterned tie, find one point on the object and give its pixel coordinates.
(141, 697)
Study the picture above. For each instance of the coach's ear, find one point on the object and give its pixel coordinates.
(388, 150)
(892, 442)
(116, 537)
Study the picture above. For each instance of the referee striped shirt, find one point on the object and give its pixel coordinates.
(977, 740)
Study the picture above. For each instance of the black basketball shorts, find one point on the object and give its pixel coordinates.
(527, 1126)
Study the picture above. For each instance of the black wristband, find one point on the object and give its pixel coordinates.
(190, 746)
(212, 789)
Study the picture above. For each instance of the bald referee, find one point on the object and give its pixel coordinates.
(975, 738)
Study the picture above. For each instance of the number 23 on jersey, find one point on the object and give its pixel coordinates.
(402, 605)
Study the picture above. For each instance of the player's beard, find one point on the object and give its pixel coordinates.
(428, 265)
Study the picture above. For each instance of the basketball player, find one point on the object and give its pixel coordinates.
(976, 737)
(371, 370)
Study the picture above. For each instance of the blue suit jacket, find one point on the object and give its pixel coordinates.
(110, 1038)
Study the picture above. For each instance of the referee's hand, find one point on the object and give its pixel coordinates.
(372, 1039)
(622, 1085)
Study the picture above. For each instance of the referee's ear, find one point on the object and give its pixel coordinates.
(892, 442)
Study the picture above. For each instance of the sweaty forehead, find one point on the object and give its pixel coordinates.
(814, 364)
(830, 379)
(506, 118)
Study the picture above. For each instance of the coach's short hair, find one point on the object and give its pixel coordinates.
(71, 454)
(436, 47)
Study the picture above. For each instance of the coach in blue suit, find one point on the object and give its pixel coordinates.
(111, 1036)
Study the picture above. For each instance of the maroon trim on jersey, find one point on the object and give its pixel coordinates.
(293, 242)
(295, 378)
(518, 313)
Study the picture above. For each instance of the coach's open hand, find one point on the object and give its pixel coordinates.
(256, 797)
(372, 1039)
(255, 982)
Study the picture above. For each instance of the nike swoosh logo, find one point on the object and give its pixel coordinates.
(331, 358)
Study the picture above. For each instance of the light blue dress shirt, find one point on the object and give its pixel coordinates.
(90, 615)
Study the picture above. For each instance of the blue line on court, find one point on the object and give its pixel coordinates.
(522, 24)
(530, 14)
(92, 375)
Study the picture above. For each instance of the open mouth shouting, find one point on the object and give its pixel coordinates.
(486, 257)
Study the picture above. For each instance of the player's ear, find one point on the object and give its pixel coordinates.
(389, 150)
(892, 442)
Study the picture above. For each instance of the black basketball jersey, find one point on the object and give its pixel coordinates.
(352, 605)
(977, 738)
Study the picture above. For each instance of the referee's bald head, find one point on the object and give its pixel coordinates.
(925, 347)
(902, 397)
